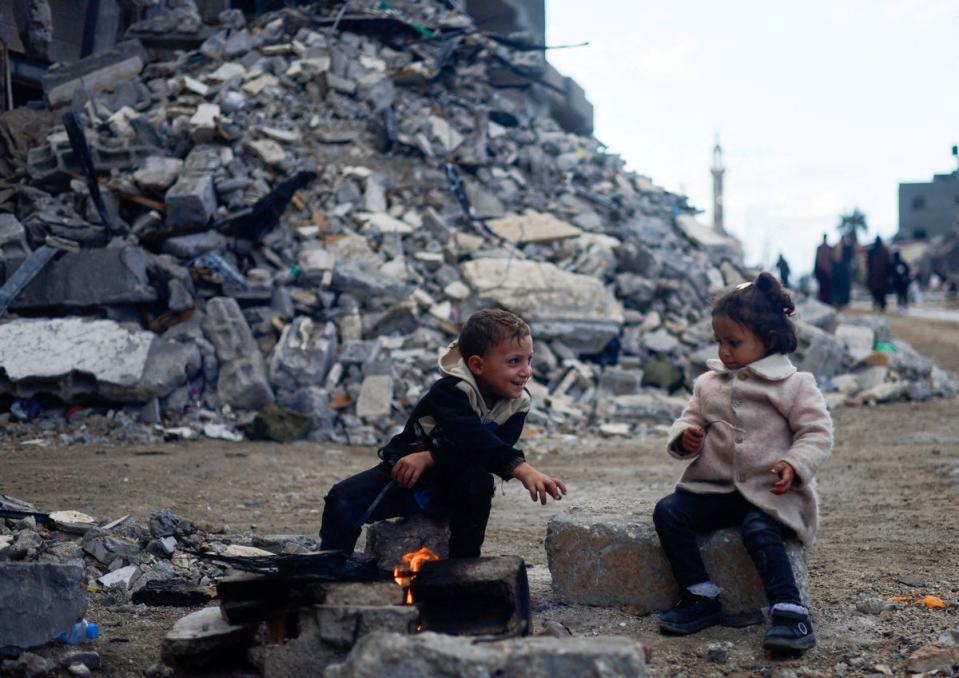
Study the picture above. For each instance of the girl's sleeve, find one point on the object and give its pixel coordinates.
(812, 429)
(691, 416)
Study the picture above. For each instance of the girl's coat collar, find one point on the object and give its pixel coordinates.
(774, 367)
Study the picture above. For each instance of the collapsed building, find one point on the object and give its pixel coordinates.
(272, 234)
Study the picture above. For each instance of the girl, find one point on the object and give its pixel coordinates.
(756, 430)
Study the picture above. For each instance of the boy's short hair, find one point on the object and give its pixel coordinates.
(485, 329)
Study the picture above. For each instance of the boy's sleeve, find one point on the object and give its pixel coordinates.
(461, 432)
(812, 430)
(691, 416)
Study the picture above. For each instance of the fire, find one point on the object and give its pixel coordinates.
(412, 562)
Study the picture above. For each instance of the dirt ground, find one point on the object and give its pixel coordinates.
(889, 494)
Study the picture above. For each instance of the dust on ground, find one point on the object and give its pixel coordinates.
(889, 496)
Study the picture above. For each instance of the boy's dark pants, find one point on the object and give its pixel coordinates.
(681, 515)
(463, 493)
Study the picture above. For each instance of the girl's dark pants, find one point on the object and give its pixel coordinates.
(464, 494)
(682, 514)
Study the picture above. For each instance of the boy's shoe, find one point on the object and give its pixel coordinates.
(693, 613)
(791, 631)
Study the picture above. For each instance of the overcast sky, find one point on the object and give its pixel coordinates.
(820, 106)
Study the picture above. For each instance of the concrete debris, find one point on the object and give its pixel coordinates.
(454, 194)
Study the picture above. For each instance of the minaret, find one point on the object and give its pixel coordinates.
(718, 170)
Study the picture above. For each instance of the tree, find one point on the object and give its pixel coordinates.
(850, 224)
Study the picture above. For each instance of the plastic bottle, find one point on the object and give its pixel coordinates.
(81, 631)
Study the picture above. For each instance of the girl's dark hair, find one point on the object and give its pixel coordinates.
(763, 307)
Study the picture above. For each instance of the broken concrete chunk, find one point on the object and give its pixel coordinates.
(50, 596)
(532, 226)
(303, 355)
(158, 173)
(267, 150)
(612, 560)
(242, 381)
(573, 308)
(203, 122)
(857, 340)
(95, 73)
(54, 349)
(376, 397)
(433, 655)
(90, 277)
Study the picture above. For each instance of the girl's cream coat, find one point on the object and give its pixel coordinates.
(754, 417)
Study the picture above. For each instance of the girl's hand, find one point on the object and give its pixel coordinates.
(786, 473)
(693, 439)
(408, 469)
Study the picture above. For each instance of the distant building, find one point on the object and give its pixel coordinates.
(929, 209)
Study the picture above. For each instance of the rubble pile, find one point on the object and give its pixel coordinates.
(292, 219)
(49, 561)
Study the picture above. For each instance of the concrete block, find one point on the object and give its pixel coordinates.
(389, 540)
(432, 655)
(190, 201)
(242, 382)
(38, 601)
(609, 560)
(87, 278)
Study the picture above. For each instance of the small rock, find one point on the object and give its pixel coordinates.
(912, 580)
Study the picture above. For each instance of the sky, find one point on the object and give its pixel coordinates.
(821, 107)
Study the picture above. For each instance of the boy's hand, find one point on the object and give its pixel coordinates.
(407, 470)
(539, 484)
(786, 473)
(693, 439)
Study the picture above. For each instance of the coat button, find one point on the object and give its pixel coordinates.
(741, 477)
(743, 375)
(739, 439)
(737, 403)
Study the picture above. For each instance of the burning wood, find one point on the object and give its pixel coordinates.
(412, 563)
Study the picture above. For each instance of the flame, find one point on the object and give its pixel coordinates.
(412, 562)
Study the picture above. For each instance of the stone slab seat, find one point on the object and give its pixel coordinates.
(615, 560)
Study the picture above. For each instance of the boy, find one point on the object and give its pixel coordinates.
(462, 430)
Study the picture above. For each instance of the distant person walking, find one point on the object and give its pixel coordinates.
(823, 271)
(842, 259)
(900, 276)
(878, 271)
(783, 267)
